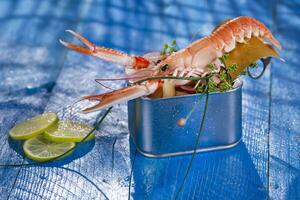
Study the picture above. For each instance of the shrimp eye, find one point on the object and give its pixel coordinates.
(164, 67)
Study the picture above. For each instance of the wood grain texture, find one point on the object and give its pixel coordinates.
(30, 61)
(285, 115)
(101, 169)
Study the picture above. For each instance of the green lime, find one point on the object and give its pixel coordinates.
(33, 126)
(68, 131)
(41, 149)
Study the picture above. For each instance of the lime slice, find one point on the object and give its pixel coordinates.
(33, 126)
(68, 131)
(40, 149)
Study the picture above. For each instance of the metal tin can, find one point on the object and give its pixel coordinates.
(153, 123)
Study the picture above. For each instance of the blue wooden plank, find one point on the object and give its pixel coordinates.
(228, 174)
(138, 27)
(285, 114)
(106, 167)
(30, 61)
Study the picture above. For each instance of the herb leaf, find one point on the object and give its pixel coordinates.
(224, 58)
(224, 86)
(212, 86)
(168, 49)
(253, 65)
(173, 43)
(171, 50)
(211, 67)
(232, 68)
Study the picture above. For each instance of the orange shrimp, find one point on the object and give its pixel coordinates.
(190, 61)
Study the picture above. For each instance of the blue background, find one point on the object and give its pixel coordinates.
(38, 74)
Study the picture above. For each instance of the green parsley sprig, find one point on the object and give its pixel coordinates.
(168, 49)
(226, 82)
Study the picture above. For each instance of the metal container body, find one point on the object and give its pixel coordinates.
(153, 123)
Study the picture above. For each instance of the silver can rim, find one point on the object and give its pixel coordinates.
(237, 85)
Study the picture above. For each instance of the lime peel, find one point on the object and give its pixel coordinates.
(33, 126)
(69, 131)
(41, 149)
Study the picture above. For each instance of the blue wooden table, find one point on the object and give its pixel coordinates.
(38, 74)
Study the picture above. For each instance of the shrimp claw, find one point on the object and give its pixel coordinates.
(117, 96)
(110, 55)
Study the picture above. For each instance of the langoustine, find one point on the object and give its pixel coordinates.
(191, 61)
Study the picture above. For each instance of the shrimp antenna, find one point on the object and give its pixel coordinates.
(105, 86)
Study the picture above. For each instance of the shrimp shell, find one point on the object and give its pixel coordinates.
(206, 50)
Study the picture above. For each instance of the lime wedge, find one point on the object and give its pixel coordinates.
(41, 149)
(33, 126)
(68, 131)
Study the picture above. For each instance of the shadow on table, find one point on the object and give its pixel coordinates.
(79, 152)
(294, 188)
(227, 174)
